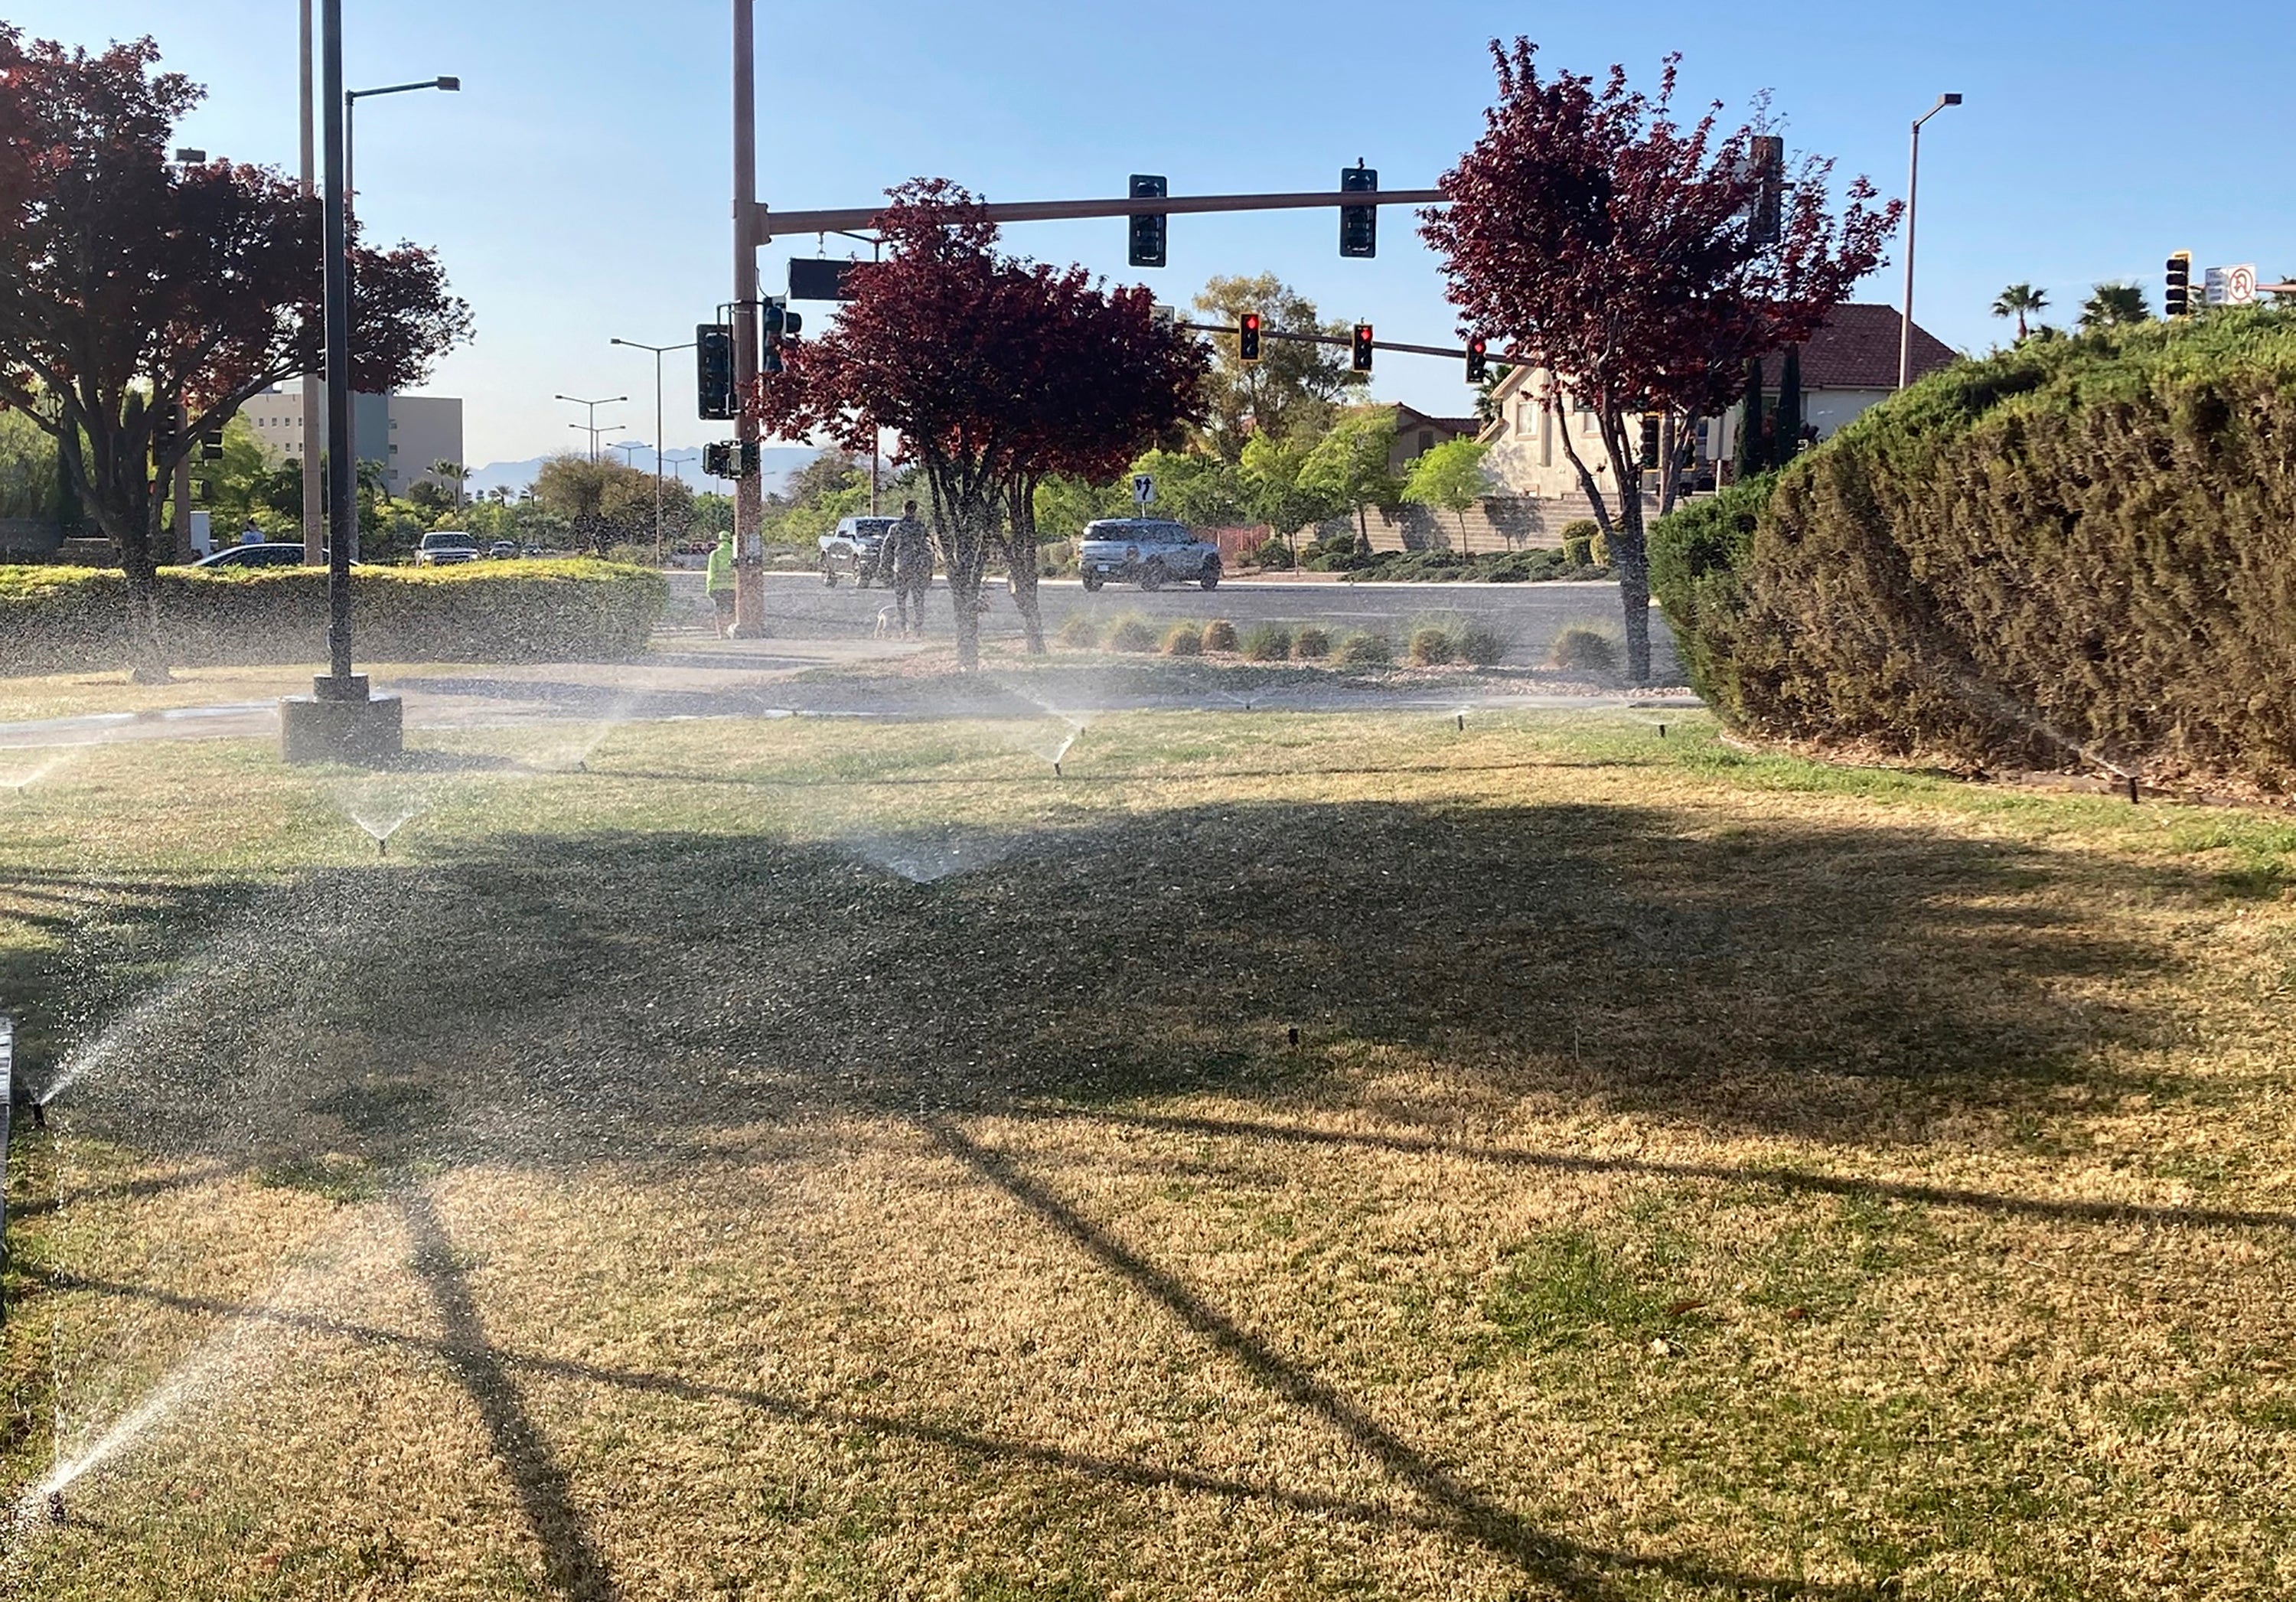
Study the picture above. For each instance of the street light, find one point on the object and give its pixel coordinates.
(658, 352)
(629, 449)
(1913, 201)
(591, 427)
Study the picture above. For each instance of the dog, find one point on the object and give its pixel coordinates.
(884, 623)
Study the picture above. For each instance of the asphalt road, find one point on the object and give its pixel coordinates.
(800, 606)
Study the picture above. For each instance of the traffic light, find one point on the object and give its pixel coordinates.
(1359, 225)
(1478, 365)
(2177, 299)
(1247, 336)
(166, 434)
(1650, 441)
(1363, 348)
(749, 456)
(713, 356)
(717, 461)
(1148, 231)
(1769, 158)
(211, 446)
(777, 323)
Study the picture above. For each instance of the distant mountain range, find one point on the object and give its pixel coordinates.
(780, 461)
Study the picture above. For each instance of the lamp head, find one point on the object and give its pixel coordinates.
(453, 86)
(1948, 100)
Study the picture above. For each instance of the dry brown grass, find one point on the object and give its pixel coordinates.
(1699, 1176)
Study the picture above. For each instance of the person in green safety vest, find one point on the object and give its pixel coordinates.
(720, 584)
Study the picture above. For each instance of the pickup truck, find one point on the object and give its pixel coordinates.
(850, 550)
(1153, 551)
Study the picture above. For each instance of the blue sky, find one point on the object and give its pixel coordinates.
(578, 188)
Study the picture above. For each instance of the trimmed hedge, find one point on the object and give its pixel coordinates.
(2076, 549)
(56, 619)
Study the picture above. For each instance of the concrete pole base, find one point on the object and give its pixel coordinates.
(335, 727)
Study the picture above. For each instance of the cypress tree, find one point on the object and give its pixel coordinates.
(1785, 436)
(1753, 456)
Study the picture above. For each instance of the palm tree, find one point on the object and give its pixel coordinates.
(2114, 305)
(2017, 301)
(453, 474)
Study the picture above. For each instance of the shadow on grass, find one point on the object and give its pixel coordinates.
(604, 991)
(557, 1000)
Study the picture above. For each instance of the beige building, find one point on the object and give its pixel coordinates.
(406, 433)
(1848, 366)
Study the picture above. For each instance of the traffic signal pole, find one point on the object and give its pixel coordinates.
(749, 490)
(765, 224)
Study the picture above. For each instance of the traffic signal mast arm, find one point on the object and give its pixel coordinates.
(1344, 341)
(766, 224)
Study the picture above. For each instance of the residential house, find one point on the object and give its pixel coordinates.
(1846, 365)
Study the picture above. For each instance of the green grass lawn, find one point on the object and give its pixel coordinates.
(812, 1159)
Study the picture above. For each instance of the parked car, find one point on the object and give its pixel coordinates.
(271, 554)
(501, 550)
(445, 548)
(1149, 550)
(851, 549)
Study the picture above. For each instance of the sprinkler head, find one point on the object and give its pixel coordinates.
(56, 1514)
(2136, 797)
(1661, 731)
(39, 1115)
(1295, 1037)
(1462, 723)
(580, 766)
(1056, 770)
(383, 846)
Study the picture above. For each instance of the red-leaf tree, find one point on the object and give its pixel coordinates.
(1590, 235)
(129, 287)
(994, 372)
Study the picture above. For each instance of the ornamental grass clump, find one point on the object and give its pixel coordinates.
(1311, 644)
(1479, 644)
(1583, 650)
(1431, 646)
(1184, 639)
(1219, 635)
(1080, 632)
(1132, 634)
(1267, 643)
(1366, 651)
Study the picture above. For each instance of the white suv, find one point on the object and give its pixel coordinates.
(445, 548)
(1152, 550)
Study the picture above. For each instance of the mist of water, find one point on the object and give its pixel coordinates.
(19, 780)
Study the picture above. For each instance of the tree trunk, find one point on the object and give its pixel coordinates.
(963, 514)
(1022, 561)
(1629, 557)
(129, 515)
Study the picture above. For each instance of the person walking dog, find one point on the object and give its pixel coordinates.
(907, 556)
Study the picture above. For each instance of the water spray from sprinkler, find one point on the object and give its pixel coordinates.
(56, 1513)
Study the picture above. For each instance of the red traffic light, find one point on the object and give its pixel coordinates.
(1363, 348)
(1247, 336)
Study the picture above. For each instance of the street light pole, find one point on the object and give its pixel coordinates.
(1913, 203)
(314, 491)
(341, 508)
(658, 352)
(592, 426)
(749, 498)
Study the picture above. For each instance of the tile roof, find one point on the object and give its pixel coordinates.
(1412, 417)
(1857, 349)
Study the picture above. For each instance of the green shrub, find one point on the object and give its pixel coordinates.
(1311, 644)
(1578, 538)
(1080, 632)
(1219, 635)
(1184, 639)
(1273, 555)
(2074, 546)
(1583, 650)
(1134, 634)
(1431, 646)
(1598, 550)
(1366, 650)
(1479, 644)
(57, 620)
(1267, 643)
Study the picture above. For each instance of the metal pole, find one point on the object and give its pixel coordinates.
(341, 509)
(350, 204)
(1913, 212)
(7, 1105)
(1912, 205)
(748, 499)
(182, 485)
(761, 225)
(657, 459)
(315, 499)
